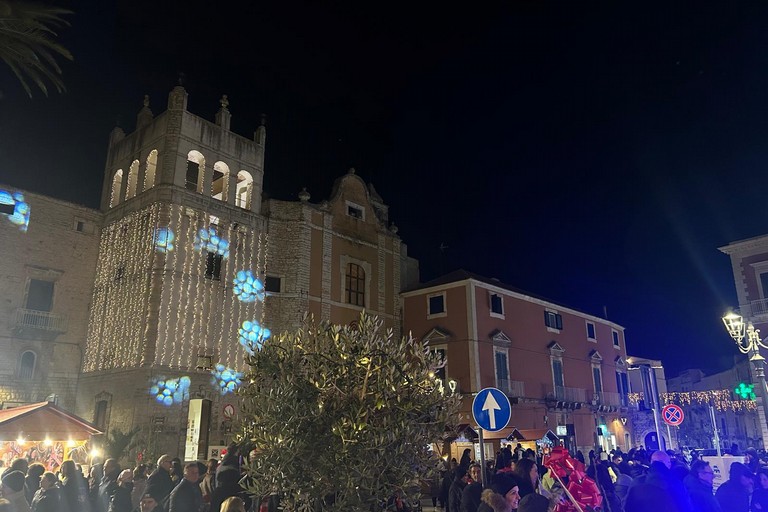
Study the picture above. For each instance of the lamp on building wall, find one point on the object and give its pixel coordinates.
(748, 340)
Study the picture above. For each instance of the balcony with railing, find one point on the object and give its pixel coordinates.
(754, 310)
(567, 394)
(610, 399)
(33, 324)
(511, 388)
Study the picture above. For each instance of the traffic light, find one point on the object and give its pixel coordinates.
(745, 391)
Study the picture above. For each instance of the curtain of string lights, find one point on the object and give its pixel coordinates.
(198, 315)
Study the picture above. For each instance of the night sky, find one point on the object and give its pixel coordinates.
(596, 154)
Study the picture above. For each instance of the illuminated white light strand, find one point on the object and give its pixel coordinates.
(149, 262)
(96, 322)
(179, 341)
(196, 313)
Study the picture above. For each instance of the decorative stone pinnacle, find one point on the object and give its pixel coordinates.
(304, 195)
(224, 102)
(351, 170)
(146, 100)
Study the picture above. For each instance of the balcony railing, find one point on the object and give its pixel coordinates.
(610, 398)
(511, 388)
(41, 323)
(754, 308)
(570, 394)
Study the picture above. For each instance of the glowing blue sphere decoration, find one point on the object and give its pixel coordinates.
(253, 336)
(247, 287)
(20, 215)
(164, 238)
(170, 391)
(209, 240)
(226, 380)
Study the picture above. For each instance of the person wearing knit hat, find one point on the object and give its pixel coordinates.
(503, 496)
(533, 503)
(13, 490)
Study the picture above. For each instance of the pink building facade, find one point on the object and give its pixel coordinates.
(564, 371)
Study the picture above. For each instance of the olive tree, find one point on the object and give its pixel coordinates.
(340, 418)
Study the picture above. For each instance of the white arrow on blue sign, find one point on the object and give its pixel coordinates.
(491, 409)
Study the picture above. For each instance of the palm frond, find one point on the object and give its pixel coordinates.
(28, 46)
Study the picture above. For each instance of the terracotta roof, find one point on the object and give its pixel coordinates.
(43, 420)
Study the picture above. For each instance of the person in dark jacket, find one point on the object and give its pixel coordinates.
(470, 498)
(733, 495)
(187, 497)
(159, 483)
(699, 486)
(46, 498)
(227, 485)
(760, 496)
(466, 458)
(503, 496)
(457, 488)
(74, 488)
(107, 485)
(527, 473)
(659, 488)
(121, 498)
(32, 482)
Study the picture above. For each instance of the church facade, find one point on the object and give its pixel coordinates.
(183, 270)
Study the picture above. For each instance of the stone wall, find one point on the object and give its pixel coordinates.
(52, 249)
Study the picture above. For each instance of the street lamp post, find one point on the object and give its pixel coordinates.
(750, 344)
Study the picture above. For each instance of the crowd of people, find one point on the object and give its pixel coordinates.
(637, 481)
(169, 487)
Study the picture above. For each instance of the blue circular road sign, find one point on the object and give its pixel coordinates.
(491, 409)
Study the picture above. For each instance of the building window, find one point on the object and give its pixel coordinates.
(591, 332)
(553, 320)
(213, 266)
(272, 284)
(436, 305)
(622, 385)
(615, 335)
(355, 285)
(27, 365)
(497, 305)
(80, 226)
(40, 295)
(597, 378)
(100, 415)
(355, 210)
(440, 372)
(557, 375)
(502, 370)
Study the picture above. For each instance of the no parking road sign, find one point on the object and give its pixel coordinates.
(672, 415)
(491, 409)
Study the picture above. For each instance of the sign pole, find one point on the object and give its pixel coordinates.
(483, 471)
(669, 436)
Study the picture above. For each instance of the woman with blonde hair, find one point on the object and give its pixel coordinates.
(233, 504)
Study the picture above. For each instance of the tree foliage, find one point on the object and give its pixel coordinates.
(27, 43)
(119, 443)
(342, 416)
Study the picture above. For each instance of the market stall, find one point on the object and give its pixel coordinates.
(45, 433)
(533, 438)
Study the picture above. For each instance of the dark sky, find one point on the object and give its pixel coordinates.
(593, 153)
